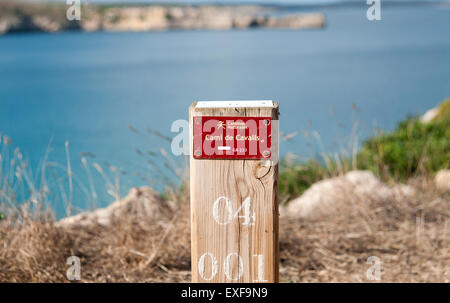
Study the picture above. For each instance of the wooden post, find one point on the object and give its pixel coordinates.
(234, 195)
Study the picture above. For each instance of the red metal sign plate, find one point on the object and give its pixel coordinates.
(217, 137)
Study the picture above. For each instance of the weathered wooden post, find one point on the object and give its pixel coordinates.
(234, 191)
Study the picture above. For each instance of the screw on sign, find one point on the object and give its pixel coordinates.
(234, 191)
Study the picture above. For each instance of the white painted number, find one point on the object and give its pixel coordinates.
(201, 267)
(260, 269)
(227, 267)
(248, 217)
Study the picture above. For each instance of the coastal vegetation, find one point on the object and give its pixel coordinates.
(413, 148)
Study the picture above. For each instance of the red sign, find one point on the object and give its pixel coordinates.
(217, 137)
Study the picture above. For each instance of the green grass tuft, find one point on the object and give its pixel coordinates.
(412, 148)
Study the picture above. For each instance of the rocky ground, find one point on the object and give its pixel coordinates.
(26, 17)
(327, 234)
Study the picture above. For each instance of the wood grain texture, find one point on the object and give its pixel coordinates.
(236, 180)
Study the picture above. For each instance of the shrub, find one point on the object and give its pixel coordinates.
(412, 148)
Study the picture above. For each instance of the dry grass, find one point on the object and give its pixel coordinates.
(132, 251)
(411, 238)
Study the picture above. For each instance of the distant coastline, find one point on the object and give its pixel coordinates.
(16, 17)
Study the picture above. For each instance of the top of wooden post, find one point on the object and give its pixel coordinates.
(237, 103)
(256, 108)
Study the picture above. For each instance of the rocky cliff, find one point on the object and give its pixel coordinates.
(26, 17)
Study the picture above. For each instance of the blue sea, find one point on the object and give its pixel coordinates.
(107, 93)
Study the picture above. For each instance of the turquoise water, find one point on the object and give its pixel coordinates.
(87, 88)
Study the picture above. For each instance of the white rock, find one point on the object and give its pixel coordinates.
(430, 115)
(140, 205)
(354, 186)
(442, 180)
